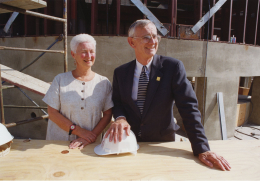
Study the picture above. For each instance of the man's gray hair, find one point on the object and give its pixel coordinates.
(140, 24)
(81, 38)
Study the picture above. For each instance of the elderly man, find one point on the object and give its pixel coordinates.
(144, 91)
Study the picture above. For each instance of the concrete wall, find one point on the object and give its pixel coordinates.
(225, 63)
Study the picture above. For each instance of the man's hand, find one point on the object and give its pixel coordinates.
(210, 158)
(116, 129)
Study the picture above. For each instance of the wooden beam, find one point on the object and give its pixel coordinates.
(23, 4)
(23, 80)
(94, 16)
(118, 17)
(173, 18)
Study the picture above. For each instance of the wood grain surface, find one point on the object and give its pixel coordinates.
(23, 80)
(43, 160)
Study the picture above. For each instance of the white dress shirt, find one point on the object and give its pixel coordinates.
(137, 73)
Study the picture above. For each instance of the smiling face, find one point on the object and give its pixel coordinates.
(85, 55)
(144, 51)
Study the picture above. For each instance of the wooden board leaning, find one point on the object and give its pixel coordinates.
(23, 80)
(23, 4)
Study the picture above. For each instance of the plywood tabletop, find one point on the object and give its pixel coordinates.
(23, 4)
(43, 160)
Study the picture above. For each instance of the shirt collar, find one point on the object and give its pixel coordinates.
(139, 66)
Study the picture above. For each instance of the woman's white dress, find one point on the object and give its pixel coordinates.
(81, 102)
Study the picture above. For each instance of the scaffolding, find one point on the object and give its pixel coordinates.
(64, 37)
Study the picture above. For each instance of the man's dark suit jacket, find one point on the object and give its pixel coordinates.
(168, 83)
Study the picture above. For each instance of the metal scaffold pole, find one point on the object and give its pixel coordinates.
(1, 101)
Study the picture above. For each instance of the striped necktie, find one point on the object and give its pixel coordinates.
(142, 89)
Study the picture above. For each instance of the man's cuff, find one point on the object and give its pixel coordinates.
(120, 117)
(200, 148)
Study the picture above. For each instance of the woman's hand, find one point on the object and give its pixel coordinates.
(79, 143)
(85, 134)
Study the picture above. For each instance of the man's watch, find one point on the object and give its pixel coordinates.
(72, 127)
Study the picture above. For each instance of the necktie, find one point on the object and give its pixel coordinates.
(142, 89)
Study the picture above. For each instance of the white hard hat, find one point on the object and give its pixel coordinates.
(128, 144)
(5, 136)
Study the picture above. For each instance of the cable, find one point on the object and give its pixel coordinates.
(31, 100)
(246, 134)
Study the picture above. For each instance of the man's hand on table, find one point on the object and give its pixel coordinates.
(116, 129)
(210, 158)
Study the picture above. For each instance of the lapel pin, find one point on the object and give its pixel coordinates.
(158, 78)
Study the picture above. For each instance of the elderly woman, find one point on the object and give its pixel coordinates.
(77, 99)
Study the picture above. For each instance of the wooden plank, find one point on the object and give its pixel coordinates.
(241, 113)
(243, 91)
(23, 80)
(23, 4)
(243, 110)
(42, 160)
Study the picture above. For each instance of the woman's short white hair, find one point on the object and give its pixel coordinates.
(139, 23)
(81, 38)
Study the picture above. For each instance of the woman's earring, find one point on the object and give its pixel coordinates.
(75, 63)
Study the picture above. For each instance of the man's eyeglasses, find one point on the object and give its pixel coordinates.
(147, 38)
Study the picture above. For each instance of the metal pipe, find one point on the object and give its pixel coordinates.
(28, 107)
(1, 101)
(65, 36)
(10, 21)
(230, 20)
(24, 11)
(213, 22)
(118, 17)
(32, 100)
(27, 121)
(256, 21)
(7, 86)
(244, 36)
(29, 49)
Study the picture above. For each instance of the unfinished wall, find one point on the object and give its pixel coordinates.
(225, 63)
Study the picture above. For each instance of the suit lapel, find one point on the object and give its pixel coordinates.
(153, 83)
(129, 85)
